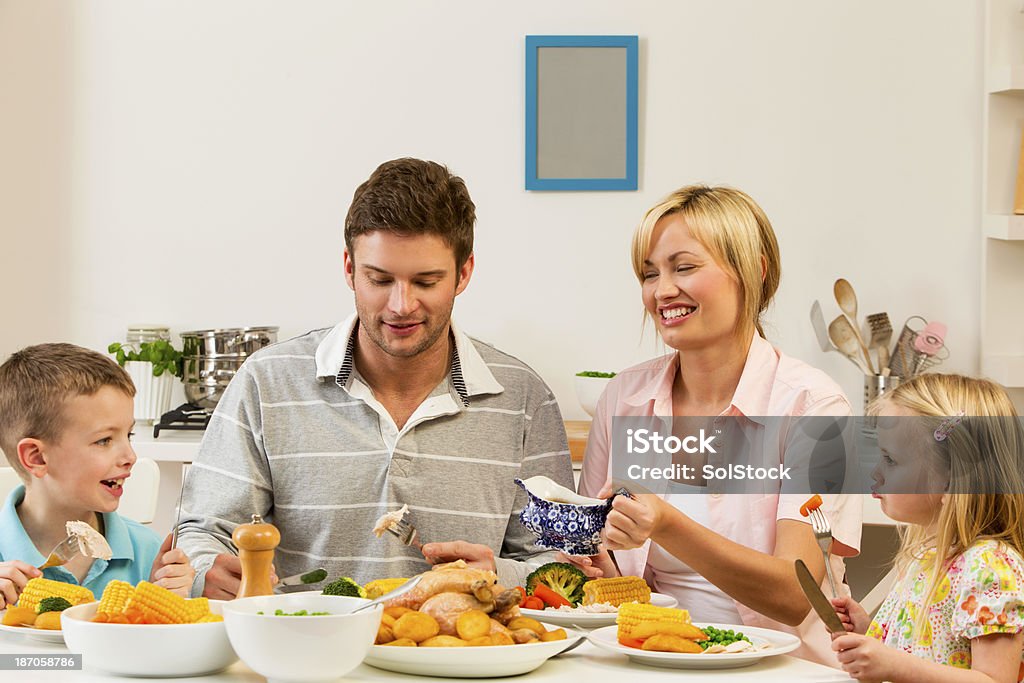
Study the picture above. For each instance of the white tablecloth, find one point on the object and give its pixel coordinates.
(585, 664)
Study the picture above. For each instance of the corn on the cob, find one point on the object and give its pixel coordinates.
(616, 591)
(209, 618)
(379, 587)
(196, 609)
(115, 597)
(152, 604)
(39, 588)
(632, 614)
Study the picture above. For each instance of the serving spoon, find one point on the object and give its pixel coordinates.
(404, 588)
(847, 300)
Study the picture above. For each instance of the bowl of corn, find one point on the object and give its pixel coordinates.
(148, 631)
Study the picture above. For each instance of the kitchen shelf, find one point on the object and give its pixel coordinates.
(1006, 79)
(1003, 227)
(1008, 369)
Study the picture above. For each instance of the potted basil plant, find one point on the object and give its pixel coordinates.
(152, 367)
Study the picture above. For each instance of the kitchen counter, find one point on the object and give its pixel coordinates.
(585, 663)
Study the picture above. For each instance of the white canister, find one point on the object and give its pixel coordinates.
(152, 394)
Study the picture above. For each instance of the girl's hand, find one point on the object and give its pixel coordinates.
(855, 619)
(13, 577)
(866, 659)
(595, 566)
(172, 570)
(632, 520)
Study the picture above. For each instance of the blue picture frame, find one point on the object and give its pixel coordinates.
(628, 179)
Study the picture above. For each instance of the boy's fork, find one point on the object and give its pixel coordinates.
(406, 533)
(823, 534)
(61, 553)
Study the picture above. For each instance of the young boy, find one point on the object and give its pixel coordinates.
(66, 419)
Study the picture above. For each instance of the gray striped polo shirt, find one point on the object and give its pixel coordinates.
(299, 439)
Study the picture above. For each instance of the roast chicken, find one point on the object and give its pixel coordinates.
(448, 590)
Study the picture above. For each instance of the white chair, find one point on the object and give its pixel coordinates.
(140, 491)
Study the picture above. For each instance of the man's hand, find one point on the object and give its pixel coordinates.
(13, 577)
(866, 659)
(855, 619)
(476, 556)
(224, 578)
(172, 570)
(594, 566)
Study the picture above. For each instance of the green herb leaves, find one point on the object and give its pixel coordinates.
(160, 353)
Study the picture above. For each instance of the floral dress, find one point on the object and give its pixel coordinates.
(981, 593)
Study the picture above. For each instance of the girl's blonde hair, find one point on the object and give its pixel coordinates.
(737, 233)
(983, 458)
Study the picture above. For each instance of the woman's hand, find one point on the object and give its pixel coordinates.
(632, 521)
(594, 566)
(855, 619)
(172, 570)
(13, 577)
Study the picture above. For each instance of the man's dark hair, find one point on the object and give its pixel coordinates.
(414, 197)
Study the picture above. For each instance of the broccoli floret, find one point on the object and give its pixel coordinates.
(53, 604)
(315, 576)
(561, 577)
(345, 586)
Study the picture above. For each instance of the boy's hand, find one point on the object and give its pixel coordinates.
(224, 577)
(172, 570)
(13, 577)
(855, 619)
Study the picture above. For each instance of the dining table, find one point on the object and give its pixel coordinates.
(584, 664)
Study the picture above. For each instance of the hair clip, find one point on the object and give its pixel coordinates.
(946, 426)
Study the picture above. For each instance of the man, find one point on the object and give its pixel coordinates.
(324, 433)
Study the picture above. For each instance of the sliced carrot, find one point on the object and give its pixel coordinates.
(632, 642)
(550, 597)
(522, 595)
(533, 602)
(813, 503)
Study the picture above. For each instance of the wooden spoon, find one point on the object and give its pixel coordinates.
(842, 334)
(847, 300)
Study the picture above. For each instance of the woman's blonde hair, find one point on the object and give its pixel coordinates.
(737, 233)
(982, 457)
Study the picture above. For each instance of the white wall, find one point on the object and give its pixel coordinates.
(206, 153)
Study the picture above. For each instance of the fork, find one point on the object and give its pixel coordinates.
(61, 553)
(823, 534)
(406, 533)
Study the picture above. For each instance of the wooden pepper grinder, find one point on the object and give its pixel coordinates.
(256, 543)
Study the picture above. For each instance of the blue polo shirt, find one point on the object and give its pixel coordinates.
(133, 546)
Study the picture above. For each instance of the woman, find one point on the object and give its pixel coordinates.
(708, 263)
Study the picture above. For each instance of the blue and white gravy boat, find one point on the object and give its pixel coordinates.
(562, 519)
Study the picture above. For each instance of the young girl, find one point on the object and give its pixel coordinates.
(957, 611)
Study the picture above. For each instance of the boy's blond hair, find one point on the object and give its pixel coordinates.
(983, 457)
(37, 381)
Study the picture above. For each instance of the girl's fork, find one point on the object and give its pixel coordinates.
(61, 553)
(823, 534)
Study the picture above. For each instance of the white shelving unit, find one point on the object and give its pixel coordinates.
(1002, 291)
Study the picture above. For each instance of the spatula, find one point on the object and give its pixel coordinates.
(820, 331)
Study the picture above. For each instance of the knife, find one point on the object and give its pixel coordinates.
(309, 578)
(817, 599)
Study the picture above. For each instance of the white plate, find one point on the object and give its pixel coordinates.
(34, 633)
(781, 643)
(468, 662)
(588, 621)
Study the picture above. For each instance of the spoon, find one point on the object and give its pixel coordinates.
(847, 300)
(842, 334)
(404, 588)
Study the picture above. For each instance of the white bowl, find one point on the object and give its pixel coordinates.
(308, 649)
(588, 390)
(150, 650)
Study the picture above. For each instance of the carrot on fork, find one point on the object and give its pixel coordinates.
(812, 504)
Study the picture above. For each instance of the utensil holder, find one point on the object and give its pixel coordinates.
(906, 361)
(874, 387)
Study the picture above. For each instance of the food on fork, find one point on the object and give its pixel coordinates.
(91, 542)
(812, 504)
(389, 520)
